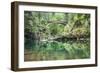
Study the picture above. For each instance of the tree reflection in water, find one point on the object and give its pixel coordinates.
(54, 50)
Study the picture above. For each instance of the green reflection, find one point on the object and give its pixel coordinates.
(54, 50)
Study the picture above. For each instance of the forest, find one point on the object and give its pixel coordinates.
(56, 35)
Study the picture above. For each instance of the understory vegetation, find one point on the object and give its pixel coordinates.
(56, 35)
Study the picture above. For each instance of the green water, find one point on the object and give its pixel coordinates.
(54, 50)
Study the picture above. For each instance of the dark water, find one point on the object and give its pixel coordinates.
(54, 50)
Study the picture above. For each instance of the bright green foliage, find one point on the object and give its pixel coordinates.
(47, 32)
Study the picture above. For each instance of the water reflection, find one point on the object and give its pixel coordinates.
(54, 50)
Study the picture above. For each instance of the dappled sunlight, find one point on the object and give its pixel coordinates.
(56, 36)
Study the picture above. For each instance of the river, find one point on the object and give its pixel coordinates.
(55, 50)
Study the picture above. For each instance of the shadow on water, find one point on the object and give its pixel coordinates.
(57, 50)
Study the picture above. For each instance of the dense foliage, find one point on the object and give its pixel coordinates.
(55, 26)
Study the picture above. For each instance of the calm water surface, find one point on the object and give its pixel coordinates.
(54, 50)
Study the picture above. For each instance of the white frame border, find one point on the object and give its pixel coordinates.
(34, 64)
